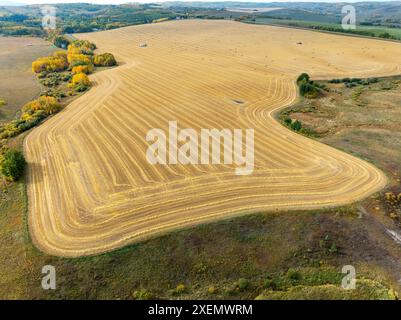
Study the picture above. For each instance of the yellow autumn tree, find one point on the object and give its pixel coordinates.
(73, 49)
(49, 64)
(78, 59)
(81, 46)
(80, 79)
(87, 69)
(61, 55)
(47, 104)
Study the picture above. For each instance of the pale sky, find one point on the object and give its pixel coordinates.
(146, 1)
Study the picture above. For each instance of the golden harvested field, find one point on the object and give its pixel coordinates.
(90, 186)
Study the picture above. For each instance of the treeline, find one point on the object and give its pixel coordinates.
(81, 17)
(64, 73)
(77, 18)
(353, 82)
(367, 33)
(31, 115)
(12, 162)
(73, 65)
(21, 24)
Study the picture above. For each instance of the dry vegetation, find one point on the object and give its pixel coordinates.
(90, 186)
(361, 117)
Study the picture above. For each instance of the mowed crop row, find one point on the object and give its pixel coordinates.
(90, 186)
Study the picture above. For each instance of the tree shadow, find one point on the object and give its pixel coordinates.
(30, 168)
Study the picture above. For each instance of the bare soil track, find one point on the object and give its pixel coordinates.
(90, 186)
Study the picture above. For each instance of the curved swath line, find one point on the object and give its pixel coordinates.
(90, 187)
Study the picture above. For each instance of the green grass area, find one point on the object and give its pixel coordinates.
(361, 117)
(265, 254)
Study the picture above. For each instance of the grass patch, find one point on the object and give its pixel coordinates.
(271, 251)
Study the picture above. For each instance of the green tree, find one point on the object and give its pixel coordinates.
(296, 125)
(61, 42)
(308, 89)
(303, 77)
(386, 35)
(12, 164)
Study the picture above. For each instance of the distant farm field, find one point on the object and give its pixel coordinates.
(376, 31)
(90, 186)
(18, 84)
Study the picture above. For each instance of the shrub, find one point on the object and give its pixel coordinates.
(28, 121)
(390, 197)
(80, 88)
(87, 69)
(49, 64)
(287, 121)
(32, 114)
(51, 80)
(303, 77)
(83, 47)
(41, 75)
(296, 125)
(48, 105)
(66, 76)
(180, 289)
(350, 85)
(294, 275)
(61, 42)
(242, 284)
(270, 284)
(80, 79)
(104, 60)
(72, 49)
(2, 102)
(11, 129)
(78, 59)
(211, 290)
(56, 93)
(12, 164)
(61, 55)
(386, 35)
(308, 89)
(373, 80)
(84, 44)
